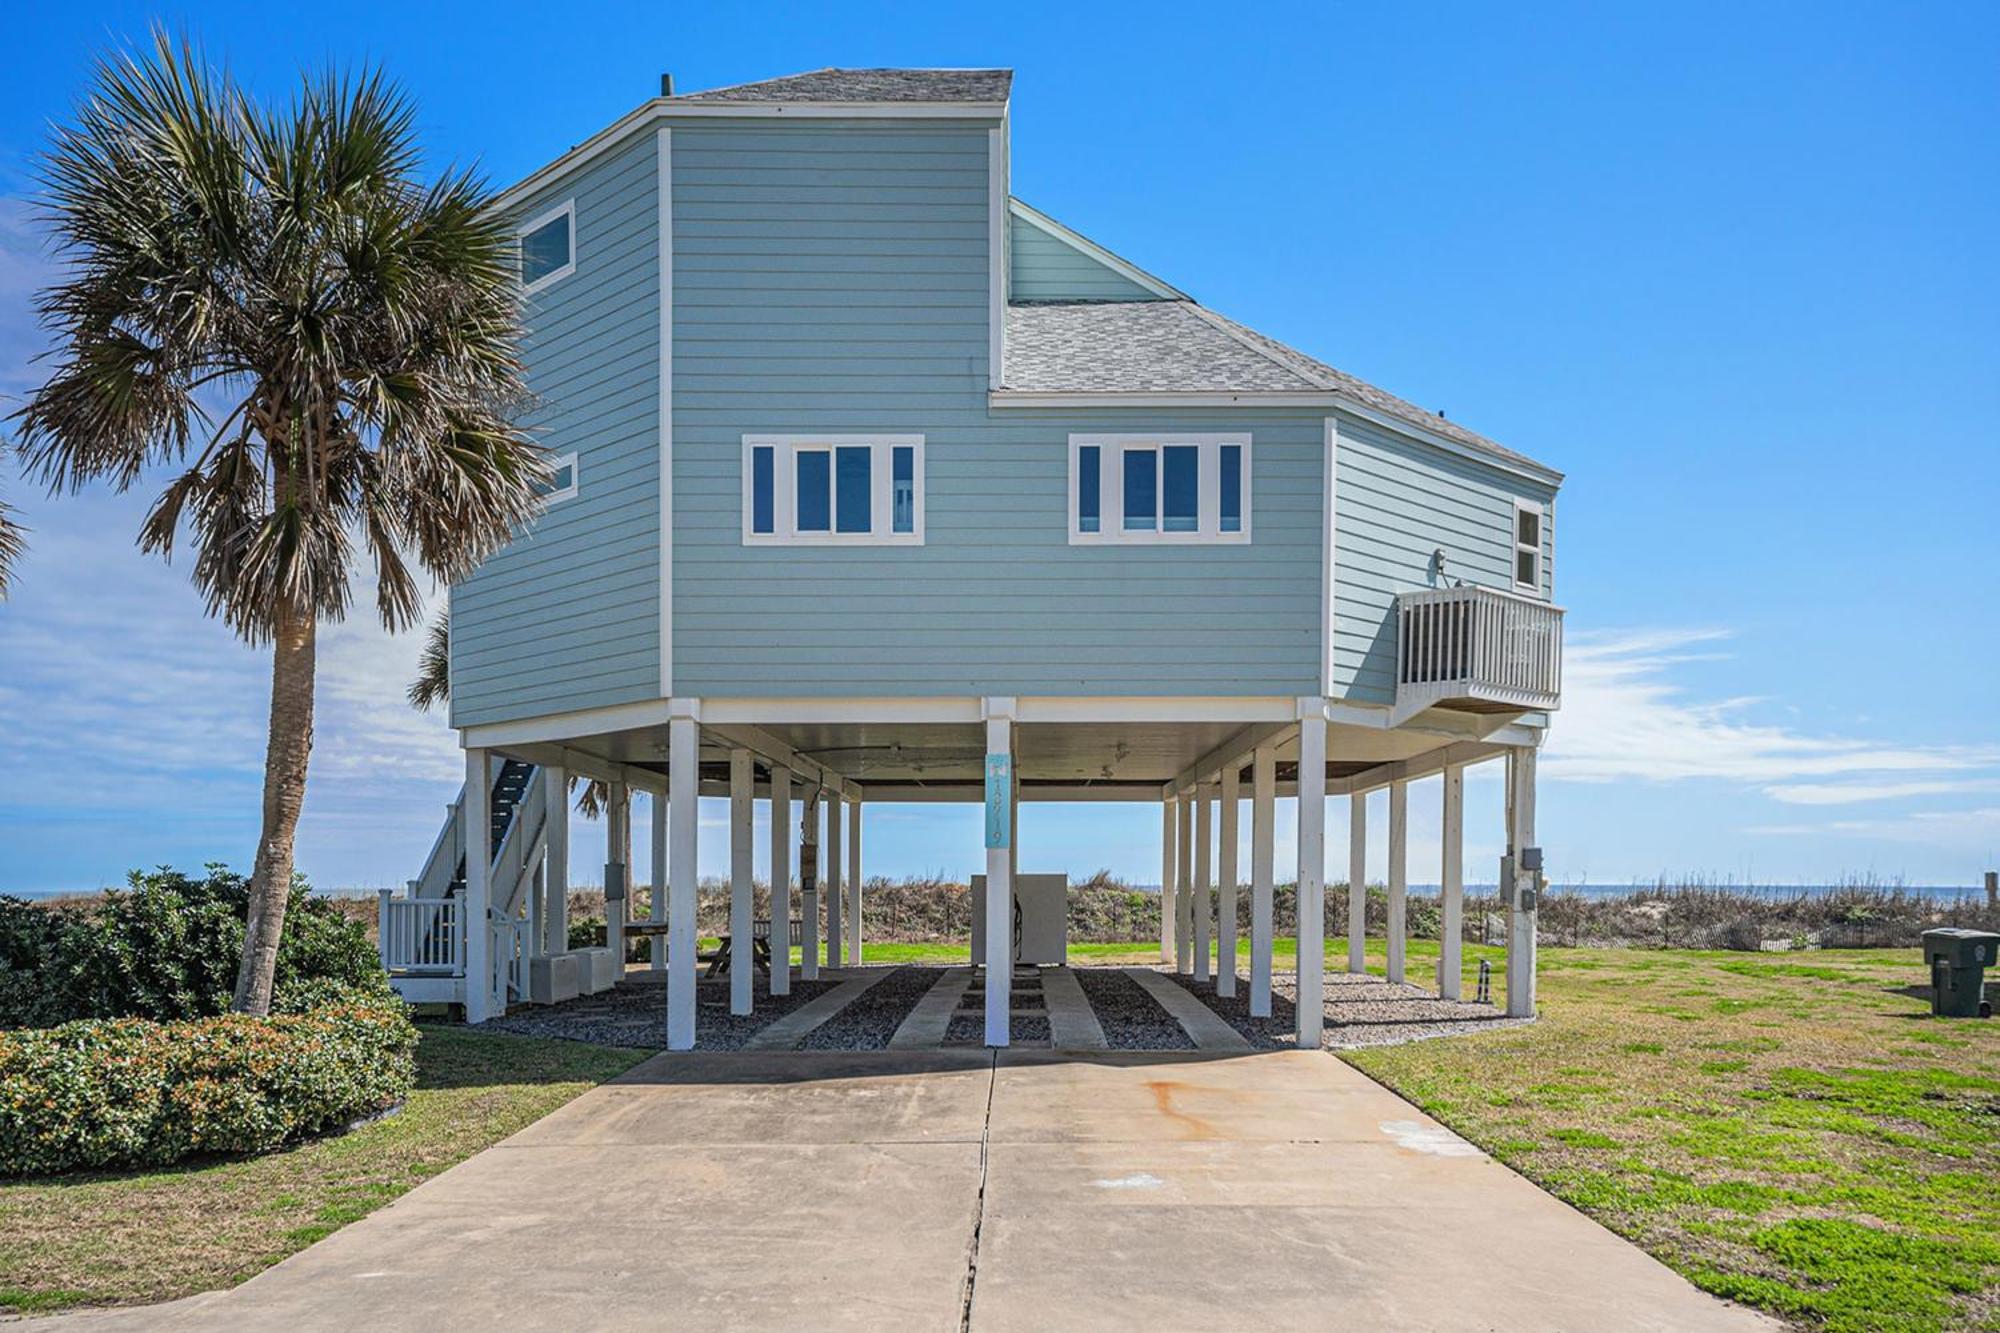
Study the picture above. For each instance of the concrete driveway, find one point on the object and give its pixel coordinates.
(942, 1190)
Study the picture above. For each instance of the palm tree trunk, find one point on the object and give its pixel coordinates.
(292, 664)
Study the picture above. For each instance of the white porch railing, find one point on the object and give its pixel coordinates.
(510, 960)
(1478, 650)
(421, 936)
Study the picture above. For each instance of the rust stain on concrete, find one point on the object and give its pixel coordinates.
(1193, 1127)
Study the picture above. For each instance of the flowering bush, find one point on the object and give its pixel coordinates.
(128, 1092)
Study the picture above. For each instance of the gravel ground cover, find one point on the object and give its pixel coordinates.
(1362, 1010)
(1132, 1020)
(634, 1014)
(869, 1022)
(1022, 1030)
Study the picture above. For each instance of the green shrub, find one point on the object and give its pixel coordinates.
(587, 933)
(167, 948)
(121, 1093)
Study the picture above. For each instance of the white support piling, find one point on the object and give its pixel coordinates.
(1225, 904)
(1521, 924)
(478, 887)
(742, 891)
(555, 880)
(835, 898)
(809, 886)
(781, 880)
(1399, 876)
(1170, 867)
(684, 776)
(656, 956)
(854, 882)
(1357, 882)
(1263, 841)
(617, 871)
(1184, 884)
(999, 960)
(1451, 885)
(1312, 873)
(1204, 880)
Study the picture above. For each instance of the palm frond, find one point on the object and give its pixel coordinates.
(433, 683)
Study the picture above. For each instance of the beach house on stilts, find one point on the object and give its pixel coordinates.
(877, 484)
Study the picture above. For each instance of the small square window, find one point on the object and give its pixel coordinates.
(548, 248)
(561, 484)
(1527, 527)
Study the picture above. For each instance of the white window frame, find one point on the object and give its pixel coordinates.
(1515, 545)
(561, 493)
(1111, 450)
(785, 450)
(566, 208)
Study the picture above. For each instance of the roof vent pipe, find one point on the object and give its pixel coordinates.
(666, 85)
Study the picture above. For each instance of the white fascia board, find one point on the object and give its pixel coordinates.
(566, 726)
(661, 108)
(1031, 399)
(1131, 272)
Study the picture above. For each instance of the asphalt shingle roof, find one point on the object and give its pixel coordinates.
(1181, 347)
(869, 85)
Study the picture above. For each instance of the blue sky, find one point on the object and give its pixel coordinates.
(1732, 268)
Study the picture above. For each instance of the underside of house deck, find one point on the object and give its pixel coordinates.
(1215, 767)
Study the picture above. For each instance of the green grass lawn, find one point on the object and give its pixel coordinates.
(1792, 1131)
(135, 1239)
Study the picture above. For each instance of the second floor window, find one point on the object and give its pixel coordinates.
(1159, 488)
(548, 247)
(830, 490)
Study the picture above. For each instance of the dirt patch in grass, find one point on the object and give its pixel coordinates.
(140, 1238)
(1806, 1141)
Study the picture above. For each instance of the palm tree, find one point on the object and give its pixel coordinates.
(11, 546)
(320, 346)
(433, 687)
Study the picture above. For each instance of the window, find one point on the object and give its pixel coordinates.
(1159, 488)
(548, 247)
(561, 485)
(1528, 547)
(833, 490)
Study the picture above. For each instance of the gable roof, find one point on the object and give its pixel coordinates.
(868, 85)
(1179, 347)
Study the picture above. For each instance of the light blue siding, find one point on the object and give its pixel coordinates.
(568, 616)
(870, 315)
(1396, 502)
(1048, 268)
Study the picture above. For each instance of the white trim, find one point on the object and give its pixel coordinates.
(665, 190)
(1328, 604)
(567, 208)
(560, 493)
(661, 108)
(996, 256)
(1516, 547)
(1124, 268)
(881, 485)
(1026, 399)
(1111, 530)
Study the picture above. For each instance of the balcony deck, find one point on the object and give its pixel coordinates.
(1476, 650)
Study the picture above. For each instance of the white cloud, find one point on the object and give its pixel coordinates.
(1624, 718)
(1850, 793)
(1926, 827)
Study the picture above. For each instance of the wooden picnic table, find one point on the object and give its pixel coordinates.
(719, 958)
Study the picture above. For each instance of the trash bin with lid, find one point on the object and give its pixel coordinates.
(1958, 961)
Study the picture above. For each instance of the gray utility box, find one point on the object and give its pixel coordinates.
(1958, 960)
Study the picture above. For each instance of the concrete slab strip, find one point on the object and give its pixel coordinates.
(1073, 1024)
(923, 1029)
(1203, 1026)
(788, 1031)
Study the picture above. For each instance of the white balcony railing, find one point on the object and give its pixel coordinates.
(1477, 650)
